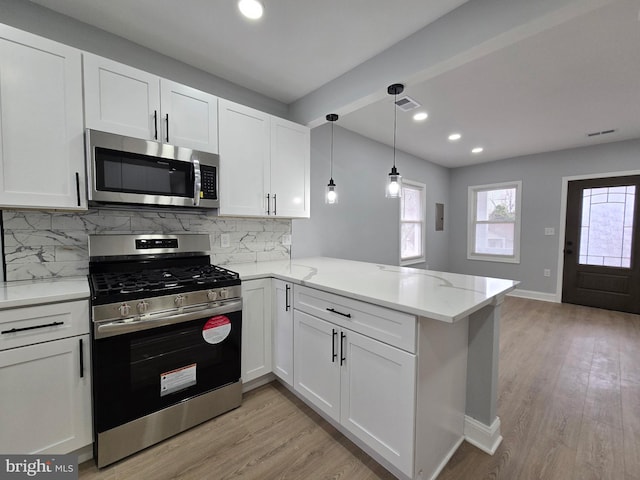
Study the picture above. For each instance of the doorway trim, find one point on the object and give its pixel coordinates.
(563, 218)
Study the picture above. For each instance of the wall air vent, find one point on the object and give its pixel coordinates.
(603, 132)
(406, 103)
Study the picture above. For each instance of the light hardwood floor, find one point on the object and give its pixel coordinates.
(569, 402)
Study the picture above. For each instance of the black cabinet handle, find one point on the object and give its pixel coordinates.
(332, 310)
(275, 204)
(155, 124)
(81, 358)
(287, 305)
(342, 357)
(268, 204)
(78, 187)
(167, 127)
(334, 355)
(23, 329)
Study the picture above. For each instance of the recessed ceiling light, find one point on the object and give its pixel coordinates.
(420, 116)
(252, 9)
(477, 150)
(454, 137)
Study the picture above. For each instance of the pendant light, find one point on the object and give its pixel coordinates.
(394, 184)
(331, 195)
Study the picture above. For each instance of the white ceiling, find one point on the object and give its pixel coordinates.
(539, 92)
(543, 93)
(295, 48)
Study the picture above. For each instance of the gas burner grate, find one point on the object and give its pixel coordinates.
(159, 281)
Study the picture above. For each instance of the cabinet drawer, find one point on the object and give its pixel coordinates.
(41, 323)
(389, 326)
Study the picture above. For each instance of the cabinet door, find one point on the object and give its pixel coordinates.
(283, 331)
(244, 159)
(378, 397)
(121, 99)
(46, 397)
(41, 131)
(316, 368)
(290, 164)
(189, 117)
(256, 329)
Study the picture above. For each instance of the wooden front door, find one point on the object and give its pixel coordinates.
(602, 248)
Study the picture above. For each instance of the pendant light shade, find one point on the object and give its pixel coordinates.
(394, 182)
(331, 193)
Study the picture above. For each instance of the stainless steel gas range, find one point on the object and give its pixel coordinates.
(166, 339)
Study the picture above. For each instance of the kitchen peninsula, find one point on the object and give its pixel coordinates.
(403, 361)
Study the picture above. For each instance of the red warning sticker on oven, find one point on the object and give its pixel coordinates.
(216, 329)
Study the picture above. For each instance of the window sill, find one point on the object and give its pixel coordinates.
(412, 261)
(494, 258)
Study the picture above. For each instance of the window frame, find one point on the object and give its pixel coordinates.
(423, 194)
(473, 191)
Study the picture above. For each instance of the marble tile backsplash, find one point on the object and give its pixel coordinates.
(54, 244)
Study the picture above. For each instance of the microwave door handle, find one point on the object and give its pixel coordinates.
(197, 182)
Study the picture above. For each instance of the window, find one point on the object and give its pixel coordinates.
(606, 231)
(494, 222)
(412, 220)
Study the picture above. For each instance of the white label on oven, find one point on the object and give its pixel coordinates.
(216, 329)
(177, 379)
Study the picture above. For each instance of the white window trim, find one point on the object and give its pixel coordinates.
(471, 211)
(422, 258)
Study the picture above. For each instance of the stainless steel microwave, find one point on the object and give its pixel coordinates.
(126, 170)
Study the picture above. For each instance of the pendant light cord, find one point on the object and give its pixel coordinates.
(331, 162)
(395, 127)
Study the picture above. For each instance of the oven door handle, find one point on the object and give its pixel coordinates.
(120, 327)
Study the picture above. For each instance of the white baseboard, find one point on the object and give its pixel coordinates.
(445, 460)
(84, 454)
(257, 382)
(533, 295)
(486, 438)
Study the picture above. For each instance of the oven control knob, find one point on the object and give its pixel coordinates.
(142, 307)
(124, 309)
(179, 301)
(212, 295)
(224, 293)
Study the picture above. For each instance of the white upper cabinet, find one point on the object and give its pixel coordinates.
(190, 117)
(121, 99)
(127, 101)
(244, 160)
(264, 164)
(290, 163)
(41, 130)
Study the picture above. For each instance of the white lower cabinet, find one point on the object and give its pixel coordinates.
(45, 387)
(256, 328)
(283, 331)
(317, 362)
(365, 385)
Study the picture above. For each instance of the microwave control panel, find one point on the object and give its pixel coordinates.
(209, 182)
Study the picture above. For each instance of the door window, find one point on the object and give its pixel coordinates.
(607, 226)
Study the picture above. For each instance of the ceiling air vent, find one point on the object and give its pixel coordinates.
(603, 132)
(407, 103)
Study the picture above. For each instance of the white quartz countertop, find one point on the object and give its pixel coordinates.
(25, 293)
(439, 295)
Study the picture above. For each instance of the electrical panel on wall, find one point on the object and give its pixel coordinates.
(439, 217)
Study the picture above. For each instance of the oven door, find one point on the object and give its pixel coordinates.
(140, 372)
